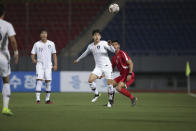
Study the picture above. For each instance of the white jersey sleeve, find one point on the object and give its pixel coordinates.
(84, 54)
(11, 31)
(110, 48)
(34, 50)
(53, 49)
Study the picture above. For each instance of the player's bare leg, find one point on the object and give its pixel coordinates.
(6, 96)
(92, 85)
(110, 92)
(48, 91)
(38, 90)
(121, 88)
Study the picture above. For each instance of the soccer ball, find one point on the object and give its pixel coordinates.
(114, 8)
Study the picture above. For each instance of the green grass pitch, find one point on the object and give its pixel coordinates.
(75, 112)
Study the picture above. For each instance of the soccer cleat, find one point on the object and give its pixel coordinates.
(95, 98)
(37, 102)
(49, 102)
(109, 104)
(6, 111)
(133, 101)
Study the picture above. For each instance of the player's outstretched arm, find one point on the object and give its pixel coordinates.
(75, 62)
(15, 48)
(109, 42)
(109, 46)
(55, 61)
(82, 56)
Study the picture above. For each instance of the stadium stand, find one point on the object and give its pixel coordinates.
(29, 18)
(163, 28)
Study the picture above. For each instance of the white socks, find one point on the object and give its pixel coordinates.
(111, 92)
(48, 91)
(6, 94)
(38, 90)
(93, 87)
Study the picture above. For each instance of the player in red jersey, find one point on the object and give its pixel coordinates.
(124, 64)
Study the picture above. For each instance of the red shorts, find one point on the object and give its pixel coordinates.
(123, 78)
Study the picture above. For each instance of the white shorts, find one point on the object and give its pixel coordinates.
(107, 71)
(43, 73)
(4, 65)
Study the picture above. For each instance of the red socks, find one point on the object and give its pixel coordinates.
(126, 93)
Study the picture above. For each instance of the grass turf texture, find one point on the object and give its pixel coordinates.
(75, 112)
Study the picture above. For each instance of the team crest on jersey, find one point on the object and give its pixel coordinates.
(98, 47)
(49, 46)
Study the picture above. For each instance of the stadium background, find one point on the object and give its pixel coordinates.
(159, 35)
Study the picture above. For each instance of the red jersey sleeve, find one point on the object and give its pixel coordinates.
(125, 56)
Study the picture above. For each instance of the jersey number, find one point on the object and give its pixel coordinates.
(40, 49)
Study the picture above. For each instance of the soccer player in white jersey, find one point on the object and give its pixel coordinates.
(103, 65)
(44, 49)
(6, 32)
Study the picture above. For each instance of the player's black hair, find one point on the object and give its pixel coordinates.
(116, 41)
(2, 9)
(43, 29)
(96, 31)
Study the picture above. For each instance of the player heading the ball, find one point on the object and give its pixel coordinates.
(99, 48)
